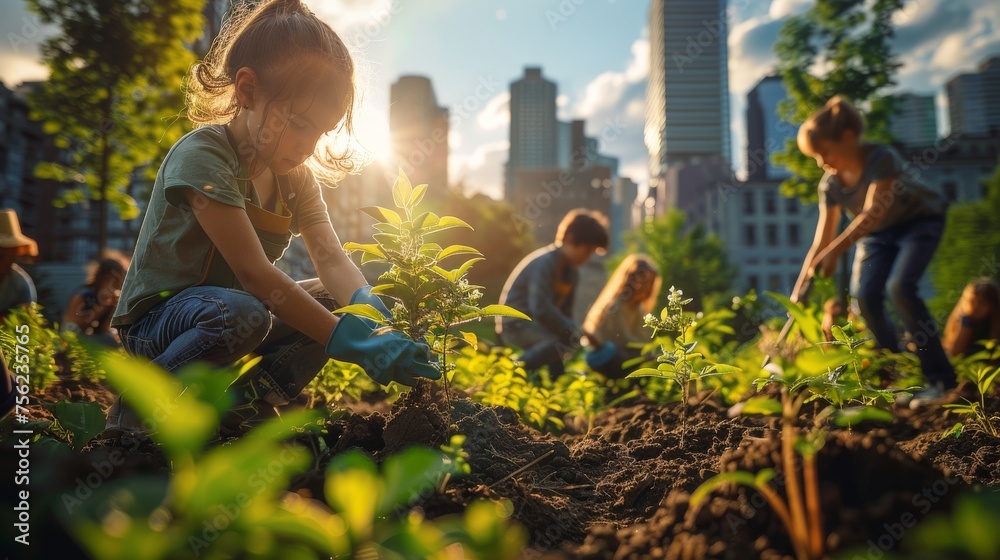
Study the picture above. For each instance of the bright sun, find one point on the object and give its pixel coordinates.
(371, 131)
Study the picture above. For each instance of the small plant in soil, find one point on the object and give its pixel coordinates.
(976, 412)
(815, 374)
(679, 362)
(430, 299)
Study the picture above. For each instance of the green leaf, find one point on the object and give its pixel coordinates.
(382, 289)
(447, 222)
(853, 416)
(457, 250)
(417, 196)
(362, 310)
(402, 190)
(496, 310)
(645, 372)
(383, 214)
(839, 335)
(471, 338)
(354, 488)
(723, 368)
(816, 361)
(83, 420)
(180, 422)
(407, 475)
(370, 248)
(462, 270)
(765, 406)
(810, 327)
(721, 479)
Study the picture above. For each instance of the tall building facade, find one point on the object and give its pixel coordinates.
(914, 122)
(767, 133)
(534, 130)
(974, 99)
(419, 131)
(687, 96)
(765, 234)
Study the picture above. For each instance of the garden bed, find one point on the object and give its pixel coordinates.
(619, 490)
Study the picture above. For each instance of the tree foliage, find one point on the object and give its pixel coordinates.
(836, 47)
(969, 248)
(116, 68)
(688, 258)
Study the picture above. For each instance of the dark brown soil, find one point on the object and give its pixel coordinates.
(622, 490)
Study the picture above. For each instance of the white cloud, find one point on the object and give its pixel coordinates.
(784, 8)
(638, 68)
(606, 90)
(482, 170)
(496, 113)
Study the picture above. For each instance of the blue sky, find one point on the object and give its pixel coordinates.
(596, 50)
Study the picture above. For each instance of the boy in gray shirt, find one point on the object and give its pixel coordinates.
(543, 286)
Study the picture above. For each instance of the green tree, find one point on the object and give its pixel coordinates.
(849, 41)
(115, 74)
(969, 248)
(688, 258)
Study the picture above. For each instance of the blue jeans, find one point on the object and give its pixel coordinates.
(893, 260)
(220, 326)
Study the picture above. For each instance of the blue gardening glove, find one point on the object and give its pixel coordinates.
(385, 357)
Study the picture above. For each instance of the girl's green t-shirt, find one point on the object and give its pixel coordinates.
(173, 250)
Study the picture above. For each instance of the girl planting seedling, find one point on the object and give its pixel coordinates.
(226, 201)
(896, 224)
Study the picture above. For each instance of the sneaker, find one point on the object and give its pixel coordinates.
(927, 396)
(122, 419)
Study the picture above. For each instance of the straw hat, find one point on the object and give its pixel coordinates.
(11, 236)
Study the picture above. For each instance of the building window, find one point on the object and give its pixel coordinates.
(792, 279)
(951, 191)
(774, 283)
(772, 235)
(792, 205)
(748, 203)
(770, 202)
(793, 235)
(752, 283)
(750, 235)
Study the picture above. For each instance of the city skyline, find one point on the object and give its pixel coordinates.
(600, 70)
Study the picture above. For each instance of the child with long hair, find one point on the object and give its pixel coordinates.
(89, 311)
(896, 225)
(617, 314)
(226, 201)
(976, 317)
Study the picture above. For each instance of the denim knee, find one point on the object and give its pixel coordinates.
(247, 323)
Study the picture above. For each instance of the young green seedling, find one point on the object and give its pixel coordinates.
(983, 377)
(680, 364)
(429, 299)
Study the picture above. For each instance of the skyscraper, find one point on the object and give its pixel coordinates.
(973, 99)
(419, 130)
(533, 127)
(687, 97)
(915, 120)
(766, 132)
